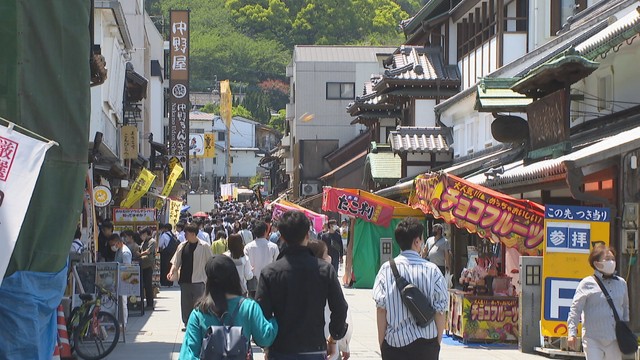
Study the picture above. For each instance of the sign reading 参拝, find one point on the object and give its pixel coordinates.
(179, 85)
(570, 234)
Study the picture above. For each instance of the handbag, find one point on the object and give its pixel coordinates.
(627, 340)
(414, 299)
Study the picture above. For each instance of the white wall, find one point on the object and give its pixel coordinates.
(479, 63)
(425, 116)
(515, 46)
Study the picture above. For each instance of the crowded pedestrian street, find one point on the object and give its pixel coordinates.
(319, 179)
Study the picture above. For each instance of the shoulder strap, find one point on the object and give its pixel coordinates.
(394, 268)
(235, 312)
(606, 295)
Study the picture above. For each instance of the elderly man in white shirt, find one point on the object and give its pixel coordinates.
(261, 252)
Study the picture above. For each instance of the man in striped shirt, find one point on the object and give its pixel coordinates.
(399, 336)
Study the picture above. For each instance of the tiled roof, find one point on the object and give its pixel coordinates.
(384, 166)
(198, 115)
(421, 63)
(420, 139)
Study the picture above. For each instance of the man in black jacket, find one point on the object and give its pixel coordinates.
(295, 290)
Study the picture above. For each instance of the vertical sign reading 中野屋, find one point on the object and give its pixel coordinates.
(570, 234)
(179, 87)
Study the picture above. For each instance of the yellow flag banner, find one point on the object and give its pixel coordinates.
(225, 102)
(209, 146)
(174, 211)
(168, 186)
(138, 188)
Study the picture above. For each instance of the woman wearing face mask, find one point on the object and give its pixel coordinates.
(598, 324)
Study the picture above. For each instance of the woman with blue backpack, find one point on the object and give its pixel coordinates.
(223, 321)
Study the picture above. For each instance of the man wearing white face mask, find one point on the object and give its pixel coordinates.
(598, 323)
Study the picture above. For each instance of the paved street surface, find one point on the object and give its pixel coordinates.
(157, 335)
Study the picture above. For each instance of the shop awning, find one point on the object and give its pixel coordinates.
(365, 205)
(491, 215)
(519, 174)
(612, 36)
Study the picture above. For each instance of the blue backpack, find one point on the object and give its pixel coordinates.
(225, 341)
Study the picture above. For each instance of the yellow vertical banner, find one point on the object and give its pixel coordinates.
(209, 146)
(225, 102)
(138, 188)
(174, 211)
(168, 186)
(570, 232)
(129, 141)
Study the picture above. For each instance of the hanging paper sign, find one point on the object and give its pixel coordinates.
(351, 204)
(516, 223)
(174, 211)
(133, 215)
(21, 158)
(101, 196)
(138, 188)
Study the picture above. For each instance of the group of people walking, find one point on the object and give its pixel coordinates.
(287, 311)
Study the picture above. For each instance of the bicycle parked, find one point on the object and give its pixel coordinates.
(94, 333)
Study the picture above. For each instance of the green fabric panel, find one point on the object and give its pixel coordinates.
(366, 250)
(46, 59)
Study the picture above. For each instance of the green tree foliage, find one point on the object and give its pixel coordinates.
(251, 41)
(319, 21)
(278, 121)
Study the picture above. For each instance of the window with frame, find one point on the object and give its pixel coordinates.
(563, 9)
(605, 93)
(341, 91)
(221, 136)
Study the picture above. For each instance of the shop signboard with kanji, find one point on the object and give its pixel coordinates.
(483, 318)
(570, 234)
(492, 215)
(352, 204)
(134, 215)
(179, 85)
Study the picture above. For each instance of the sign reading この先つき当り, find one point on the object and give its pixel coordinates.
(570, 234)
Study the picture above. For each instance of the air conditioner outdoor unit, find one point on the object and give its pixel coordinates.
(310, 189)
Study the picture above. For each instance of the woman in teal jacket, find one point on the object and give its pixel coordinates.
(223, 294)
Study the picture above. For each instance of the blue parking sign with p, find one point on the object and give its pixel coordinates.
(558, 295)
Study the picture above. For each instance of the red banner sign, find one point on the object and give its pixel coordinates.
(490, 214)
(351, 204)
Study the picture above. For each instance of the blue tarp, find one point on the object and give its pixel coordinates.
(28, 304)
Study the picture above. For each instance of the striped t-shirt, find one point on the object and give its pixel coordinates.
(401, 327)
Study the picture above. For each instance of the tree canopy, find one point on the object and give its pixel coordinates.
(251, 41)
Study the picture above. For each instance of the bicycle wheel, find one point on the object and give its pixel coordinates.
(95, 345)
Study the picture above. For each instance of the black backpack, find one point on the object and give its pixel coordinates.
(225, 341)
(172, 246)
